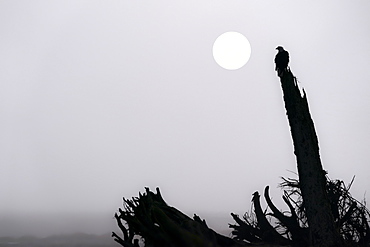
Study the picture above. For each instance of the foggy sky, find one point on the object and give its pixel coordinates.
(100, 99)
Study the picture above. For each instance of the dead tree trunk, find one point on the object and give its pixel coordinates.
(311, 174)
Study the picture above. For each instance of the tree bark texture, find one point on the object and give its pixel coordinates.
(311, 174)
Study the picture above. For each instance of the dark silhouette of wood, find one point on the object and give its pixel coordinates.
(267, 232)
(351, 217)
(299, 235)
(321, 211)
(161, 225)
(311, 174)
(324, 213)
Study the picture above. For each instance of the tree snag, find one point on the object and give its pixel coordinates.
(311, 174)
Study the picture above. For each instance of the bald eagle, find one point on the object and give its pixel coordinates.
(281, 60)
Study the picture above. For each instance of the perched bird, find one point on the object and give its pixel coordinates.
(281, 60)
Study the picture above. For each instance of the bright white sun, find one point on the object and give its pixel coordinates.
(231, 50)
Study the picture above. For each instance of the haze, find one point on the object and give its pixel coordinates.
(100, 99)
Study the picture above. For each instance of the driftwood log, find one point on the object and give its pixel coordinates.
(160, 225)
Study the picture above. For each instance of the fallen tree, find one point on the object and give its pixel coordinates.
(161, 225)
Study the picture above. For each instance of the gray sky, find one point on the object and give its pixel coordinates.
(99, 99)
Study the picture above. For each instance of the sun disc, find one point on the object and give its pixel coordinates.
(231, 50)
